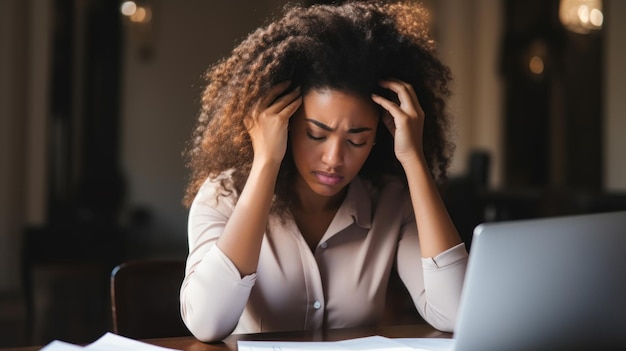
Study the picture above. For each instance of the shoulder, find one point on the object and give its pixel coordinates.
(213, 191)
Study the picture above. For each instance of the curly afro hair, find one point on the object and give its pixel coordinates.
(348, 47)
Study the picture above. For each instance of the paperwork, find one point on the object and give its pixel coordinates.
(107, 342)
(110, 341)
(370, 343)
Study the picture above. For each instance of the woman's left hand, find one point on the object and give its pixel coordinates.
(405, 120)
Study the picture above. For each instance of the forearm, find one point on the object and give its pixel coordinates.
(243, 234)
(213, 296)
(436, 231)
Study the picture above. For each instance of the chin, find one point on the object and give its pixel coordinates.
(327, 190)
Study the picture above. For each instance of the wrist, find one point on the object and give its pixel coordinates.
(412, 160)
(265, 165)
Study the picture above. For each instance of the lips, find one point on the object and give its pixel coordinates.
(328, 178)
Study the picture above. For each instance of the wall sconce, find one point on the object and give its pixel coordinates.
(581, 16)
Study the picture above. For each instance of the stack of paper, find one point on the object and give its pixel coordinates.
(370, 343)
(107, 342)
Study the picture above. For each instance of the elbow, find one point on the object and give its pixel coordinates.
(211, 304)
(444, 325)
(447, 327)
(208, 334)
(444, 322)
(204, 329)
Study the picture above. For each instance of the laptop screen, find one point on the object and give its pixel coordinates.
(546, 284)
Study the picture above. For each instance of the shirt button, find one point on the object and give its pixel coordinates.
(324, 245)
(317, 305)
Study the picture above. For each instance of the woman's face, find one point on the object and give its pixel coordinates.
(332, 135)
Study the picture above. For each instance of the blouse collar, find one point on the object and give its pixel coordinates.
(356, 208)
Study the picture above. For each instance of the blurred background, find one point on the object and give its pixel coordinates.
(98, 98)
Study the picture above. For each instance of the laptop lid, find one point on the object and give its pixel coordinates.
(555, 283)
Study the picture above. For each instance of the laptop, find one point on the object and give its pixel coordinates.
(555, 283)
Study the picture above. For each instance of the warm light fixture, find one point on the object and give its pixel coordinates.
(581, 16)
(136, 13)
(536, 65)
(537, 58)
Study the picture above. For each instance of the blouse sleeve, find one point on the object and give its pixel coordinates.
(213, 294)
(436, 292)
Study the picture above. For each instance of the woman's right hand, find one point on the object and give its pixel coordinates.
(269, 121)
(268, 125)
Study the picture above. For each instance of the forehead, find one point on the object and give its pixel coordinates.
(337, 108)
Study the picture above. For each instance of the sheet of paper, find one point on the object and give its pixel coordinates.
(110, 341)
(287, 346)
(58, 345)
(374, 343)
(371, 343)
(430, 344)
(107, 342)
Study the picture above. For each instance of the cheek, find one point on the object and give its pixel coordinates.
(296, 146)
(302, 151)
(358, 158)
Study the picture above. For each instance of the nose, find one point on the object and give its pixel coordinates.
(333, 153)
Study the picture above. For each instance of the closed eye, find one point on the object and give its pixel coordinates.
(357, 144)
(320, 138)
(313, 137)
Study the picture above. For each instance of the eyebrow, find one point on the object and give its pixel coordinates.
(325, 127)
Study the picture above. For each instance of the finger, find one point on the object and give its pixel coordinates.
(400, 89)
(397, 85)
(285, 101)
(388, 105)
(291, 108)
(273, 93)
(388, 116)
(406, 94)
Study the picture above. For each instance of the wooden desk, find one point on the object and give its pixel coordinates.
(230, 343)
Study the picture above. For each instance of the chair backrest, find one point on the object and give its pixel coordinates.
(145, 299)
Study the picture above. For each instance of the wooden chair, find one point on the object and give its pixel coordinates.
(145, 299)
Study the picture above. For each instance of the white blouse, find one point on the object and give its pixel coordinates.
(342, 284)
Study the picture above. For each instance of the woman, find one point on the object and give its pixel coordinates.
(314, 167)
